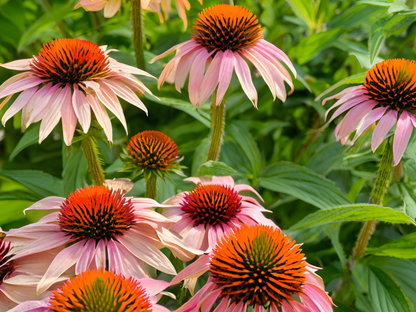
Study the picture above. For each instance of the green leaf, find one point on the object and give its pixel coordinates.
(355, 212)
(354, 79)
(384, 293)
(19, 195)
(376, 39)
(30, 137)
(73, 173)
(39, 182)
(214, 168)
(384, 3)
(332, 230)
(200, 155)
(315, 44)
(403, 247)
(409, 197)
(304, 9)
(302, 183)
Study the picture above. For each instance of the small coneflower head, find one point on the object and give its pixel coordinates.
(205, 214)
(72, 80)
(99, 290)
(152, 153)
(224, 37)
(387, 96)
(256, 266)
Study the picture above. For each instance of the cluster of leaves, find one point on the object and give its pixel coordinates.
(316, 188)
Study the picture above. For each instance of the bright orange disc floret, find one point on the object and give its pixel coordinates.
(392, 83)
(226, 27)
(70, 61)
(257, 265)
(100, 291)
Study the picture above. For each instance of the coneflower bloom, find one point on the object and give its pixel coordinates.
(257, 267)
(215, 207)
(19, 277)
(388, 96)
(225, 36)
(67, 80)
(152, 152)
(101, 291)
(100, 226)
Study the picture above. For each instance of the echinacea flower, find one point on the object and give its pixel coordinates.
(215, 207)
(258, 267)
(112, 6)
(19, 277)
(388, 96)
(100, 226)
(67, 80)
(101, 291)
(152, 153)
(225, 36)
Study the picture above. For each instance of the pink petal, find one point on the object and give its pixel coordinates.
(21, 101)
(226, 72)
(91, 5)
(175, 47)
(132, 266)
(278, 53)
(179, 248)
(31, 306)
(81, 108)
(159, 308)
(316, 299)
(115, 259)
(349, 104)
(153, 287)
(223, 305)
(195, 236)
(111, 8)
(116, 66)
(37, 106)
(20, 85)
(101, 115)
(211, 78)
(197, 74)
(209, 300)
(402, 135)
(372, 117)
(196, 269)
(345, 98)
(18, 64)
(259, 308)
(69, 120)
(86, 257)
(100, 255)
(126, 94)
(351, 90)
(383, 127)
(243, 74)
(294, 306)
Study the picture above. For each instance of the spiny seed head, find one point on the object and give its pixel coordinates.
(70, 61)
(100, 291)
(226, 27)
(211, 204)
(392, 83)
(258, 265)
(96, 212)
(6, 268)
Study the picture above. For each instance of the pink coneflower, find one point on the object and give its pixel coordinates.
(213, 209)
(68, 79)
(101, 291)
(256, 266)
(225, 37)
(387, 96)
(100, 227)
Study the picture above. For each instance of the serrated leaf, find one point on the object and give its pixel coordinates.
(403, 247)
(354, 79)
(214, 168)
(354, 212)
(302, 183)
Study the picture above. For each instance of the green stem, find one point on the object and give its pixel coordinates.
(138, 33)
(227, 2)
(60, 24)
(217, 128)
(90, 149)
(151, 186)
(377, 196)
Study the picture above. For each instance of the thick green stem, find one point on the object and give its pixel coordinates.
(151, 186)
(377, 196)
(60, 24)
(217, 128)
(90, 149)
(138, 33)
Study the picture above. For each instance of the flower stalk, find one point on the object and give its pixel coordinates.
(90, 149)
(151, 186)
(217, 128)
(138, 33)
(377, 196)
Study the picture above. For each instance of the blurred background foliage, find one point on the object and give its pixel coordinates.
(282, 149)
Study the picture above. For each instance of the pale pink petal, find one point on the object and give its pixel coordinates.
(81, 108)
(294, 306)
(116, 66)
(181, 5)
(226, 72)
(191, 305)
(115, 259)
(195, 236)
(132, 266)
(259, 308)
(69, 120)
(31, 306)
(39, 107)
(372, 117)
(86, 257)
(244, 187)
(402, 135)
(20, 85)
(126, 93)
(101, 115)
(153, 287)
(159, 308)
(179, 248)
(316, 299)
(18, 64)
(62, 262)
(178, 46)
(197, 74)
(278, 53)
(243, 74)
(351, 90)
(196, 269)
(349, 104)
(383, 127)
(209, 300)
(185, 65)
(211, 78)
(21, 101)
(111, 8)
(223, 305)
(346, 98)
(100, 254)
(91, 5)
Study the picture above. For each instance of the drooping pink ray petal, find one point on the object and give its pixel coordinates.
(345, 98)
(402, 135)
(259, 308)
(184, 64)
(278, 53)
(69, 120)
(208, 301)
(111, 8)
(20, 102)
(82, 108)
(193, 302)
(348, 105)
(196, 269)
(159, 308)
(41, 102)
(153, 287)
(197, 74)
(101, 115)
(86, 257)
(383, 127)
(211, 78)
(131, 264)
(223, 305)
(372, 117)
(126, 94)
(91, 5)
(115, 259)
(243, 74)
(100, 255)
(116, 66)
(31, 306)
(23, 64)
(316, 299)
(176, 47)
(195, 236)
(360, 89)
(20, 85)
(226, 72)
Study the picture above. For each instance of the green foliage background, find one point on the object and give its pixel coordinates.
(313, 184)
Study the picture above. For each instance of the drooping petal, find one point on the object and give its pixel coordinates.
(20, 85)
(226, 72)
(279, 54)
(211, 78)
(176, 47)
(101, 115)
(243, 74)
(348, 105)
(18, 64)
(81, 108)
(91, 5)
(86, 257)
(193, 270)
(126, 94)
(21, 101)
(402, 135)
(111, 8)
(115, 259)
(383, 127)
(69, 120)
(39, 107)
(316, 299)
(372, 117)
(197, 74)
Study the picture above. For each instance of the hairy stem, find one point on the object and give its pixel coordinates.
(377, 196)
(151, 186)
(138, 33)
(90, 149)
(217, 128)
